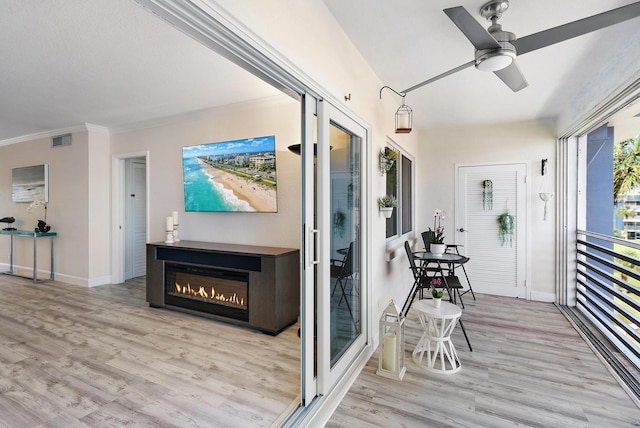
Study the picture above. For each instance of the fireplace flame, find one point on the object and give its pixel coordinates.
(212, 295)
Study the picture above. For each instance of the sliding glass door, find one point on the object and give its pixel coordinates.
(341, 295)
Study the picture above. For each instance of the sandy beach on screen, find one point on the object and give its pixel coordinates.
(260, 197)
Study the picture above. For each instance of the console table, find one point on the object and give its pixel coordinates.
(35, 235)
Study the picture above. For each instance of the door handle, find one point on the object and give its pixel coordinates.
(462, 229)
(314, 247)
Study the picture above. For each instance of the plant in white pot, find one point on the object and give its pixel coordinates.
(436, 236)
(437, 294)
(386, 204)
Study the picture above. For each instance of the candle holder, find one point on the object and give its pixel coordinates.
(168, 227)
(391, 356)
(175, 233)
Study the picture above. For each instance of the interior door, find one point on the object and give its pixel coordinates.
(136, 218)
(340, 274)
(484, 195)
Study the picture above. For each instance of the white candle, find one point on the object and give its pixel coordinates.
(389, 354)
(169, 224)
(403, 121)
(174, 214)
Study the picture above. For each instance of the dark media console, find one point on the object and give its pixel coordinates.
(248, 285)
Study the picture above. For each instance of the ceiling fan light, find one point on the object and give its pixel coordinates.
(494, 60)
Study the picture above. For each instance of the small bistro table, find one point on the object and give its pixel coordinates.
(35, 235)
(435, 351)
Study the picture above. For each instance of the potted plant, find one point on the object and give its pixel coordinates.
(506, 227)
(386, 204)
(437, 294)
(388, 158)
(338, 222)
(436, 236)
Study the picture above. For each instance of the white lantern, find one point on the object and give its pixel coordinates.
(391, 348)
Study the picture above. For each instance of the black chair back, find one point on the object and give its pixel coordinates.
(347, 265)
(412, 261)
(426, 239)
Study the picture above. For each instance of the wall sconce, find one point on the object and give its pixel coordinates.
(404, 114)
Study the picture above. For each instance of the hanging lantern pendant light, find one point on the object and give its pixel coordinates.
(404, 114)
(403, 118)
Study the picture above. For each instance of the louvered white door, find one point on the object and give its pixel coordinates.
(140, 220)
(484, 192)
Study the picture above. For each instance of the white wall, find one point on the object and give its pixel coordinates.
(99, 206)
(442, 149)
(308, 37)
(67, 211)
(279, 116)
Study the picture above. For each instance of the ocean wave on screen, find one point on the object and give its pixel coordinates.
(231, 199)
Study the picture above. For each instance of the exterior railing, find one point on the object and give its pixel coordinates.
(608, 289)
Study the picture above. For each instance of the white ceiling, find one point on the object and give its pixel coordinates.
(409, 41)
(110, 63)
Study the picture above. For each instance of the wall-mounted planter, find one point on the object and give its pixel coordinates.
(386, 211)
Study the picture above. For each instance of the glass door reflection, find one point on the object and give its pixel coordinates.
(346, 297)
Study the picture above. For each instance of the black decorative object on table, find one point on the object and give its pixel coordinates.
(8, 220)
(43, 227)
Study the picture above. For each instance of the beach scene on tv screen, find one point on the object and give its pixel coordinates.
(237, 175)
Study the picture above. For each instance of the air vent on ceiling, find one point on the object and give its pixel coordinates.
(61, 140)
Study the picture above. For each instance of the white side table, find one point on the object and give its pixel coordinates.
(435, 351)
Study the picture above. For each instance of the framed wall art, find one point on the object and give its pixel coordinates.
(30, 183)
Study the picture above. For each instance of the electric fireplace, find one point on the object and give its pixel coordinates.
(258, 287)
(214, 291)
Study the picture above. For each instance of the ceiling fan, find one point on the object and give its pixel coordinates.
(496, 50)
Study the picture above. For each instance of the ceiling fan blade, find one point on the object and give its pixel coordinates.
(512, 76)
(577, 28)
(477, 35)
(439, 76)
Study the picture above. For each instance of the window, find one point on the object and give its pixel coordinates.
(400, 185)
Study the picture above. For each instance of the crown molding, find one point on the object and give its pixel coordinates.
(46, 134)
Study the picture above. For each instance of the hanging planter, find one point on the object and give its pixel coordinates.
(506, 228)
(338, 222)
(388, 158)
(386, 204)
(487, 195)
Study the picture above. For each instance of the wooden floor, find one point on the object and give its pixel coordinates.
(528, 367)
(77, 357)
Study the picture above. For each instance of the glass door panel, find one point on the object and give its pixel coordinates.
(345, 306)
(340, 279)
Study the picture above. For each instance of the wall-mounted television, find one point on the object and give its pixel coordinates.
(231, 176)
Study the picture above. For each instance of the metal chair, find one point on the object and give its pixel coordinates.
(452, 266)
(346, 271)
(466, 259)
(422, 280)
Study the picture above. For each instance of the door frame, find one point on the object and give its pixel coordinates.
(527, 197)
(329, 377)
(118, 214)
(131, 245)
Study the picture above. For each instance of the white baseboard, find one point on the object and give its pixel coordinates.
(543, 297)
(27, 272)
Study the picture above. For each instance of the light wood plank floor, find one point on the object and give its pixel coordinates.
(529, 367)
(77, 357)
